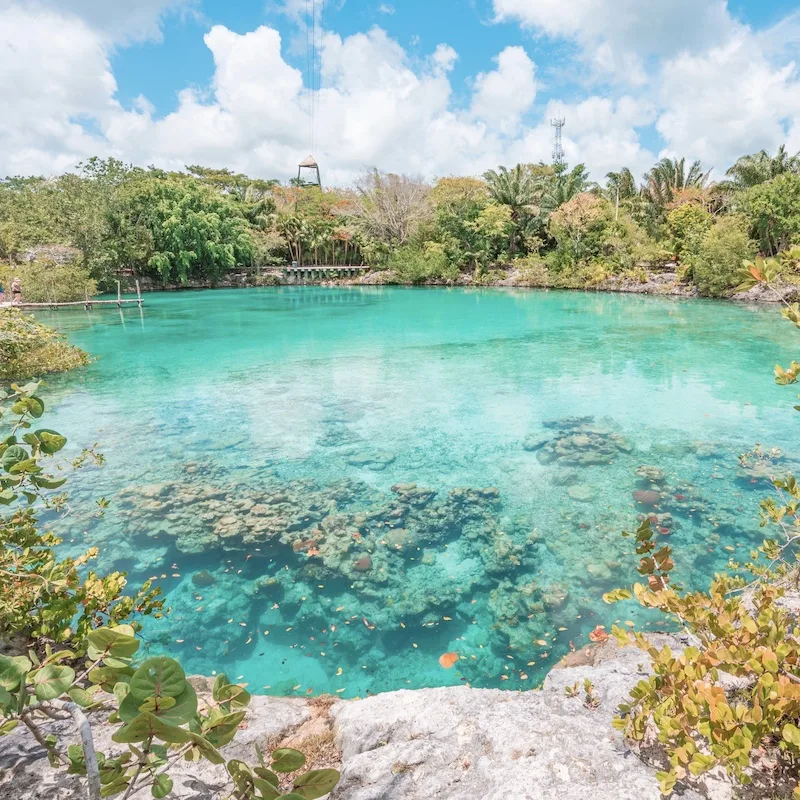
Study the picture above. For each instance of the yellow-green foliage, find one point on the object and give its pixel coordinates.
(46, 282)
(739, 629)
(717, 261)
(28, 348)
(688, 225)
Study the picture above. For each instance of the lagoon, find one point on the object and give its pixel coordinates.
(337, 486)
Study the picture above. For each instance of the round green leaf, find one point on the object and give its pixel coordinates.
(316, 783)
(49, 441)
(13, 455)
(52, 681)
(112, 642)
(162, 786)
(146, 725)
(287, 760)
(12, 671)
(158, 677)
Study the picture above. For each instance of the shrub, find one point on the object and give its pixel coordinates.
(579, 227)
(717, 262)
(737, 628)
(48, 282)
(28, 348)
(688, 224)
(81, 645)
(773, 209)
(417, 265)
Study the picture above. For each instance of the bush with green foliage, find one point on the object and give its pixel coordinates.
(716, 263)
(738, 628)
(415, 264)
(48, 282)
(688, 225)
(773, 209)
(76, 634)
(28, 348)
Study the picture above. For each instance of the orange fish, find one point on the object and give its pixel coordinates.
(448, 659)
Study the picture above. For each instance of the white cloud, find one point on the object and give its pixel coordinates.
(618, 36)
(385, 8)
(112, 20)
(502, 96)
(726, 102)
(381, 106)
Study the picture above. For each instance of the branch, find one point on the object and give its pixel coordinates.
(87, 742)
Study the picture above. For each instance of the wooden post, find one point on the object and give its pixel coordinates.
(139, 293)
(87, 304)
(119, 295)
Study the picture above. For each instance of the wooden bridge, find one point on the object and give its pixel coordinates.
(319, 272)
(88, 303)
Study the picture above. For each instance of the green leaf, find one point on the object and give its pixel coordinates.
(146, 725)
(287, 760)
(13, 455)
(52, 681)
(80, 697)
(50, 442)
(111, 641)
(8, 726)
(13, 671)
(206, 749)
(44, 482)
(267, 774)
(791, 734)
(162, 786)
(159, 677)
(292, 796)
(316, 783)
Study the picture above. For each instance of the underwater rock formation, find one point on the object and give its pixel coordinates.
(577, 441)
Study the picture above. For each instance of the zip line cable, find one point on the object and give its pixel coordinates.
(315, 10)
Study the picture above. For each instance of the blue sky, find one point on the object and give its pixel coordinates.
(425, 86)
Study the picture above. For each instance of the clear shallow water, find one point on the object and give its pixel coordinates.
(253, 439)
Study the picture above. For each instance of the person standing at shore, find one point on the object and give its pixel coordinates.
(16, 292)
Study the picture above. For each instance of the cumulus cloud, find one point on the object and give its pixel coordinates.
(502, 96)
(378, 105)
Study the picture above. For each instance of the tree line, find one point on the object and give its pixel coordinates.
(548, 221)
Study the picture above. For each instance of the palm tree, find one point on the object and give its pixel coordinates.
(761, 167)
(670, 176)
(564, 186)
(518, 189)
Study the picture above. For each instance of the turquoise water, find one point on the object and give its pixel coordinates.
(336, 486)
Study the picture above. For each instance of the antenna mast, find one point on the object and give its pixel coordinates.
(558, 149)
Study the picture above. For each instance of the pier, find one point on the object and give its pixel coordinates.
(319, 272)
(88, 303)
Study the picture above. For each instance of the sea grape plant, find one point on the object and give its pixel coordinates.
(158, 715)
(76, 635)
(740, 628)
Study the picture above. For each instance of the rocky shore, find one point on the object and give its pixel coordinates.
(665, 282)
(449, 744)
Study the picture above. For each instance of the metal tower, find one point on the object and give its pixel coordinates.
(558, 149)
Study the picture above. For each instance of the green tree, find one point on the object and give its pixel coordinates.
(717, 262)
(751, 170)
(687, 226)
(519, 189)
(773, 209)
(179, 229)
(670, 176)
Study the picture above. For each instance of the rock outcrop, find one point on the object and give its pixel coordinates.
(432, 744)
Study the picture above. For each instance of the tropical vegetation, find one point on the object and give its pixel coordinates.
(729, 702)
(71, 646)
(547, 222)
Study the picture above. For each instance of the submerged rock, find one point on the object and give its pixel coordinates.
(203, 578)
(647, 497)
(582, 493)
(363, 564)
